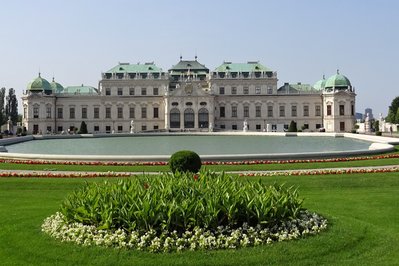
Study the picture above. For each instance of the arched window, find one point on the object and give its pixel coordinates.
(203, 118)
(174, 118)
(189, 118)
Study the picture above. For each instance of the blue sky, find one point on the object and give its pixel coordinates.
(302, 40)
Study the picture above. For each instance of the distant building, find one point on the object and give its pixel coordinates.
(359, 117)
(370, 112)
(189, 97)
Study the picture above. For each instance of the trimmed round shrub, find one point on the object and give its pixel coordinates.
(185, 161)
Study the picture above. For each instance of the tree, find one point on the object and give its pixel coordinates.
(83, 128)
(292, 127)
(393, 111)
(11, 106)
(397, 117)
(3, 118)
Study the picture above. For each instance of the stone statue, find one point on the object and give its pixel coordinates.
(9, 125)
(131, 127)
(245, 126)
(210, 127)
(367, 127)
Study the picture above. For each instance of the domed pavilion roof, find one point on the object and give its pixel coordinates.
(338, 81)
(56, 87)
(39, 84)
(319, 85)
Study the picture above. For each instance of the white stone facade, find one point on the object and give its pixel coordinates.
(192, 99)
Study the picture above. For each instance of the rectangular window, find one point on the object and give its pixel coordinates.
(234, 127)
(293, 111)
(318, 126)
(342, 126)
(318, 110)
(306, 110)
(269, 111)
(341, 109)
(143, 91)
(143, 112)
(131, 91)
(96, 112)
(246, 90)
(269, 90)
(233, 90)
(84, 112)
(328, 109)
(107, 91)
(25, 112)
(72, 112)
(246, 111)
(352, 109)
(155, 91)
(131, 112)
(120, 128)
(156, 112)
(143, 128)
(305, 126)
(35, 112)
(258, 111)
(257, 90)
(221, 90)
(60, 129)
(258, 127)
(156, 127)
(120, 91)
(48, 112)
(234, 111)
(108, 129)
(222, 111)
(96, 128)
(222, 126)
(120, 112)
(60, 113)
(107, 112)
(282, 110)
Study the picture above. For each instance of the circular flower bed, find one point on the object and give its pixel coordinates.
(173, 212)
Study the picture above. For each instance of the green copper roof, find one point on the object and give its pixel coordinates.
(296, 88)
(185, 65)
(39, 84)
(338, 80)
(319, 85)
(242, 67)
(79, 90)
(56, 87)
(135, 68)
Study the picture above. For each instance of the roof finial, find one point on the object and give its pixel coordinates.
(181, 57)
(39, 72)
(195, 55)
(337, 71)
(53, 79)
(324, 76)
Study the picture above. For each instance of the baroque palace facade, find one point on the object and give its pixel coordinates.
(189, 97)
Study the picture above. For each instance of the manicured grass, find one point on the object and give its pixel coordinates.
(362, 210)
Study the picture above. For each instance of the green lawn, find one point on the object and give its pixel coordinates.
(362, 210)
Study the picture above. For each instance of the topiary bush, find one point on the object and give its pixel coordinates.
(185, 161)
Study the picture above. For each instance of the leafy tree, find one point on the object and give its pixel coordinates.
(393, 111)
(11, 106)
(3, 118)
(397, 117)
(83, 128)
(292, 127)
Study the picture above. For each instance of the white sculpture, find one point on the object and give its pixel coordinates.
(367, 127)
(10, 126)
(131, 127)
(245, 126)
(210, 127)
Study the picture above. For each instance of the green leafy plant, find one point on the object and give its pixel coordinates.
(180, 201)
(292, 127)
(185, 161)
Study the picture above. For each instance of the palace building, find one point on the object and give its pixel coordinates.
(189, 97)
